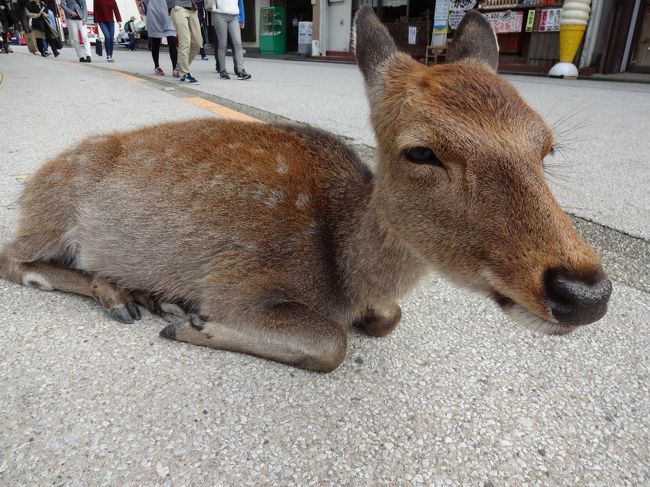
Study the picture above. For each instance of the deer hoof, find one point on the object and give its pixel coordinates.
(133, 309)
(122, 313)
(176, 323)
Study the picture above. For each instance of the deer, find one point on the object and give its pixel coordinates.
(276, 240)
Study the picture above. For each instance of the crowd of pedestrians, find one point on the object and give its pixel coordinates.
(182, 23)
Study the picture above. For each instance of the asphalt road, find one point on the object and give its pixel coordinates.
(456, 396)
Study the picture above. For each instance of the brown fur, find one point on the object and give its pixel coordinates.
(282, 239)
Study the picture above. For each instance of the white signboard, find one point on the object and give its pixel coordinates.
(412, 33)
(305, 32)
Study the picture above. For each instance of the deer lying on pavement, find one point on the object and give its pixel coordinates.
(274, 240)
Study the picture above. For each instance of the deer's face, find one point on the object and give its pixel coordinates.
(461, 180)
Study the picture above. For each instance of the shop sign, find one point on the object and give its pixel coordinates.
(549, 20)
(506, 22)
(455, 16)
(462, 4)
(530, 21)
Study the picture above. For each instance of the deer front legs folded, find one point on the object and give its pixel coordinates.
(288, 333)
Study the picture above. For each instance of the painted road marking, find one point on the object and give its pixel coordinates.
(220, 110)
(119, 74)
(22, 177)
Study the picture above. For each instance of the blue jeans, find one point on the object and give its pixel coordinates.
(108, 29)
(131, 41)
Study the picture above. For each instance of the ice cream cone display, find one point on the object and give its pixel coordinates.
(573, 23)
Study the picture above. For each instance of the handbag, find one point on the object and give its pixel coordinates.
(98, 47)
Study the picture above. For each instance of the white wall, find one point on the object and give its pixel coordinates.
(339, 19)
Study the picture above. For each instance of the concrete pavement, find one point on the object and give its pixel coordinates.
(456, 396)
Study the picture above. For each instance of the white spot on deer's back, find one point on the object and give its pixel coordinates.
(275, 197)
(302, 200)
(282, 166)
(33, 279)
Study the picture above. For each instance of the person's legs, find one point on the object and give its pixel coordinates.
(155, 50)
(173, 50)
(196, 41)
(179, 17)
(108, 29)
(52, 42)
(73, 31)
(85, 40)
(221, 29)
(131, 41)
(40, 43)
(234, 31)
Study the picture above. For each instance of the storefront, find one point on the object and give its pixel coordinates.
(622, 42)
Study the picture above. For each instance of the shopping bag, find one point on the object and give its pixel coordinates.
(98, 47)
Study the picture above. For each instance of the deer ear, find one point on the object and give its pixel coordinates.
(373, 45)
(474, 39)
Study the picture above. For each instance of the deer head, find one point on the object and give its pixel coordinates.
(460, 178)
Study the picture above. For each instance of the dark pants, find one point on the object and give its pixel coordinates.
(108, 29)
(155, 50)
(42, 44)
(131, 41)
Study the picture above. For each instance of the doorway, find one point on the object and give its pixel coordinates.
(640, 60)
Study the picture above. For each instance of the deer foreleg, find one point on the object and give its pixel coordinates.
(290, 334)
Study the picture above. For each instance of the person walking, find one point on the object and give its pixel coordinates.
(76, 14)
(186, 21)
(41, 28)
(159, 25)
(106, 13)
(229, 19)
(129, 28)
(6, 22)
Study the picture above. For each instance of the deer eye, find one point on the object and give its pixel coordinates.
(422, 155)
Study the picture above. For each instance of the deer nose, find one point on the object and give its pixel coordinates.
(577, 301)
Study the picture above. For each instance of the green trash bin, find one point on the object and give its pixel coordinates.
(273, 30)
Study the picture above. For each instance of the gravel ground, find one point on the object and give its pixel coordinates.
(456, 396)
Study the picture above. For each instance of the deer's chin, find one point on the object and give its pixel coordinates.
(521, 316)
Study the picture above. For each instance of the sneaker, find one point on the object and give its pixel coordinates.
(243, 75)
(204, 58)
(88, 59)
(188, 79)
(176, 73)
(224, 75)
(45, 54)
(159, 72)
(56, 54)
(82, 59)
(109, 59)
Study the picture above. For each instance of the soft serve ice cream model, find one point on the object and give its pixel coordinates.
(573, 23)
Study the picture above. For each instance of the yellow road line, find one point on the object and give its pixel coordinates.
(220, 110)
(119, 74)
(22, 177)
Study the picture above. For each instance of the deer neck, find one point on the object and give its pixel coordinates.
(377, 266)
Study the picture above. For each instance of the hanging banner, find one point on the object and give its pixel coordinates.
(549, 20)
(440, 17)
(506, 22)
(530, 21)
